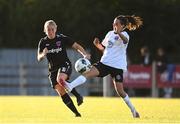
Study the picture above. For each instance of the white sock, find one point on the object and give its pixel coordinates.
(128, 102)
(78, 81)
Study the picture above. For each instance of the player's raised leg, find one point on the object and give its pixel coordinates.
(93, 72)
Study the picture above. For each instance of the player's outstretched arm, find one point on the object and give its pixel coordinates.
(97, 43)
(81, 50)
(125, 39)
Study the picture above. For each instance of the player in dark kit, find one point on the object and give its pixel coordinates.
(53, 47)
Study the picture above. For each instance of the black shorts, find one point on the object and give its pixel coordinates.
(104, 70)
(63, 68)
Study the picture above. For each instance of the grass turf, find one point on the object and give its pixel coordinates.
(51, 110)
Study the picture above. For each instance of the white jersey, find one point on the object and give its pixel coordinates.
(115, 51)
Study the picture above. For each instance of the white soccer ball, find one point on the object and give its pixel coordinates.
(82, 65)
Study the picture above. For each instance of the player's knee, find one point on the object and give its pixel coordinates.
(59, 79)
(61, 91)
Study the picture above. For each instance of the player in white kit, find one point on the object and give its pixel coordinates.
(113, 60)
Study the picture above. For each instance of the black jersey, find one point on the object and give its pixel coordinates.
(57, 54)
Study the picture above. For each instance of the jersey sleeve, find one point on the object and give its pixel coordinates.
(104, 42)
(41, 46)
(68, 41)
(125, 34)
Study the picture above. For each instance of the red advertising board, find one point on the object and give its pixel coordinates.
(163, 81)
(138, 76)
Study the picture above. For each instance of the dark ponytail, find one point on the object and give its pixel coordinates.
(130, 22)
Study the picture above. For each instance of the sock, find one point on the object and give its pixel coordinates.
(128, 102)
(69, 103)
(78, 81)
(75, 93)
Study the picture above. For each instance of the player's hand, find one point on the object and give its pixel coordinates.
(45, 51)
(87, 56)
(96, 41)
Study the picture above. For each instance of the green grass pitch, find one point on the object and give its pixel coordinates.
(51, 110)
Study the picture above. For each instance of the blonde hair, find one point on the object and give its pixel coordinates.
(49, 22)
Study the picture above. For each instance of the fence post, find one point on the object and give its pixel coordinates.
(45, 81)
(22, 79)
(155, 91)
(107, 86)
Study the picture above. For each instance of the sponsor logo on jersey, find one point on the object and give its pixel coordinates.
(110, 44)
(55, 50)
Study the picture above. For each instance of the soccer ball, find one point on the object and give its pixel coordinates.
(82, 65)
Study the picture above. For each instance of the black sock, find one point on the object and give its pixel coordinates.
(69, 103)
(75, 93)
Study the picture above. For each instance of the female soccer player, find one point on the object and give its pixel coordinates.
(113, 60)
(53, 47)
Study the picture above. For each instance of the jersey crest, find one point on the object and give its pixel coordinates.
(58, 44)
(116, 38)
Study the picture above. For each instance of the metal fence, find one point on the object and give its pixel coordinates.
(21, 74)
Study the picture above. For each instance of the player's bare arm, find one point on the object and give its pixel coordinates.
(42, 54)
(97, 43)
(125, 40)
(81, 50)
